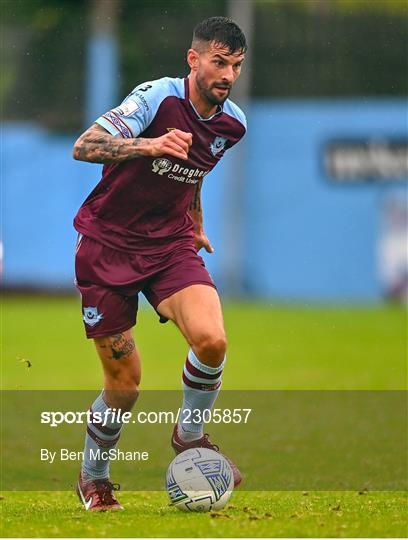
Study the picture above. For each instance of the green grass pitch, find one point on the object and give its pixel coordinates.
(270, 347)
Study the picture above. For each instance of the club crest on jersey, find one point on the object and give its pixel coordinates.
(217, 145)
(161, 165)
(91, 316)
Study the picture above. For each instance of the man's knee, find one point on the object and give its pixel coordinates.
(123, 377)
(210, 348)
(122, 390)
(122, 385)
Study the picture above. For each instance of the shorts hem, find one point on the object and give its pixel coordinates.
(108, 333)
(154, 304)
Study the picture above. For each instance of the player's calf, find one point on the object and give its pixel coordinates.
(121, 364)
(122, 371)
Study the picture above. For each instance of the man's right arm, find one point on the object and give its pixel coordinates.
(97, 145)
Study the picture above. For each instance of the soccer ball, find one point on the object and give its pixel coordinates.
(199, 480)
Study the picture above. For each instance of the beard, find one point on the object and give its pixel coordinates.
(208, 91)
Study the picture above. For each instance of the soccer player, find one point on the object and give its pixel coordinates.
(140, 230)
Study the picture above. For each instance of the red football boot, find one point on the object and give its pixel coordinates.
(180, 446)
(97, 494)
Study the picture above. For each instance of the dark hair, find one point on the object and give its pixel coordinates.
(221, 30)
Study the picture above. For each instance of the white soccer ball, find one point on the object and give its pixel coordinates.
(199, 480)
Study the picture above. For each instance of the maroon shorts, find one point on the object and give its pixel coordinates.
(109, 282)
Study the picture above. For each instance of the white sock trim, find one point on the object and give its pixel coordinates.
(200, 380)
(203, 367)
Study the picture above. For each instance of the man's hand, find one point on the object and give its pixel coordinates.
(201, 241)
(175, 143)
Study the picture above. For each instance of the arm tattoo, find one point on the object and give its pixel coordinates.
(97, 145)
(121, 347)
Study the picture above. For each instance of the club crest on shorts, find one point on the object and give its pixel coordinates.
(217, 145)
(91, 316)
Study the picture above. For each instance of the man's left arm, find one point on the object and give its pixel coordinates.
(196, 213)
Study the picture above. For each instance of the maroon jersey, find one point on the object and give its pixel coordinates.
(142, 204)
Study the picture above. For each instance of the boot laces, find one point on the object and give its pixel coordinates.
(104, 489)
(206, 443)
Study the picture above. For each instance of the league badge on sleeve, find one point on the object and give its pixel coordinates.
(218, 145)
(127, 108)
(91, 316)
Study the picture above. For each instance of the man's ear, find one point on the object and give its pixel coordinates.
(192, 59)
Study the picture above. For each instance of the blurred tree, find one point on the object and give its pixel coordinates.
(301, 48)
(43, 63)
(382, 6)
(320, 48)
(155, 36)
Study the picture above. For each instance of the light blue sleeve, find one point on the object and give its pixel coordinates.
(138, 110)
(233, 110)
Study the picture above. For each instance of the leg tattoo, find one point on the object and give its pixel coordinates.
(121, 346)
